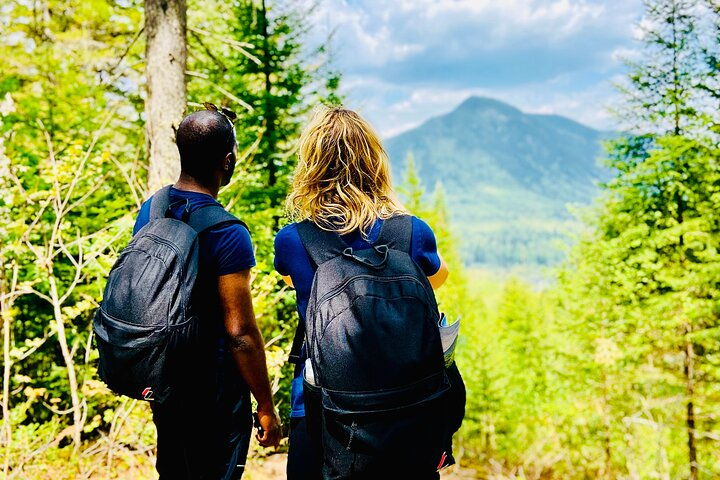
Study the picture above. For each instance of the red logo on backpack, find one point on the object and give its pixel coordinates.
(442, 461)
(148, 394)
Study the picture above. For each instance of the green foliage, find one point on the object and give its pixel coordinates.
(663, 92)
(269, 76)
(647, 280)
(613, 371)
(72, 175)
(610, 372)
(70, 141)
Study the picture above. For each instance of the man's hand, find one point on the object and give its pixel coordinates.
(248, 349)
(272, 430)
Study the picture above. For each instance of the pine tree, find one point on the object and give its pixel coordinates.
(271, 78)
(647, 276)
(412, 189)
(662, 88)
(656, 236)
(709, 84)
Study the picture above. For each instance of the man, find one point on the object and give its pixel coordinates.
(204, 429)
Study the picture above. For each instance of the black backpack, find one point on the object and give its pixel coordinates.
(149, 318)
(373, 342)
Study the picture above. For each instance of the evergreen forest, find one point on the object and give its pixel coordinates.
(608, 368)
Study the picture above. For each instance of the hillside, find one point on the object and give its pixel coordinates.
(509, 177)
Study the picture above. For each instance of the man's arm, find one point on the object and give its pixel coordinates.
(248, 349)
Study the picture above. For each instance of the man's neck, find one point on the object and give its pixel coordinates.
(189, 184)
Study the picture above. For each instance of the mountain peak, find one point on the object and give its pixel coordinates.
(477, 104)
(508, 176)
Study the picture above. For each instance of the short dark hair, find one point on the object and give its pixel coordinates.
(203, 139)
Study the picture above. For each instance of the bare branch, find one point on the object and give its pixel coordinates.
(127, 50)
(208, 52)
(232, 97)
(96, 185)
(41, 295)
(36, 220)
(85, 158)
(229, 41)
(36, 347)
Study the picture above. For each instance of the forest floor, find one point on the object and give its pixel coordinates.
(272, 467)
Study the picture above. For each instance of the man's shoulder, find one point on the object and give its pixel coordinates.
(230, 229)
(143, 216)
(231, 247)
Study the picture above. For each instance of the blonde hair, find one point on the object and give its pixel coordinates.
(342, 180)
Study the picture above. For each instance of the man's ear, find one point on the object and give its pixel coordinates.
(228, 161)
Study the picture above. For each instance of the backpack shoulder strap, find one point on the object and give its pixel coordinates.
(320, 244)
(210, 216)
(160, 203)
(396, 233)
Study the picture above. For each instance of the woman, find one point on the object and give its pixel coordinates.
(342, 184)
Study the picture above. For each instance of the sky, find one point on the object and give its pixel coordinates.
(405, 61)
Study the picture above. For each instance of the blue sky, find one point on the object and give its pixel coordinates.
(405, 61)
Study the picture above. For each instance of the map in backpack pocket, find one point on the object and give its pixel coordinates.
(448, 337)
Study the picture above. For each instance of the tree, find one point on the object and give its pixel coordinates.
(272, 78)
(72, 176)
(412, 190)
(661, 87)
(165, 104)
(710, 43)
(646, 277)
(69, 172)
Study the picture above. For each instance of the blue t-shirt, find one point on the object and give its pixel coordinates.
(292, 259)
(224, 249)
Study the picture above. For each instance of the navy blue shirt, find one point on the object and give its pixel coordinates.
(224, 249)
(291, 259)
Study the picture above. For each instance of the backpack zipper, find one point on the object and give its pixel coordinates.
(353, 429)
(342, 286)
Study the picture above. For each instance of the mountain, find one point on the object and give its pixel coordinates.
(508, 176)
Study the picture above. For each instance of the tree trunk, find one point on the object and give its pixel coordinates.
(165, 55)
(269, 134)
(7, 296)
(77, 405)
(607, 434)
(689, 371)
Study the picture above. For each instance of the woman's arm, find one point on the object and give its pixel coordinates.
(440, 276)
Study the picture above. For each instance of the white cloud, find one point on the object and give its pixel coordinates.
(408, 60)
(587, 106)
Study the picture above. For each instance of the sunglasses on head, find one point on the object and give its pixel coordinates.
(229, 114)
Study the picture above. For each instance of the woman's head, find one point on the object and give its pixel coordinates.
(342, 181)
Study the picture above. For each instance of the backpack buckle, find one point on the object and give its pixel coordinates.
(383, 250)
(186, 210)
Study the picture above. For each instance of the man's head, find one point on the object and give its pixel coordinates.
(207, 145)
